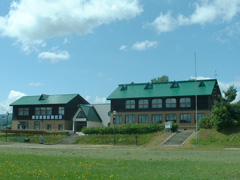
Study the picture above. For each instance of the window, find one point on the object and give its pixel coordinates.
(171, 103)
(118, 119)
(60, 127)
(43, 110)
(157, 103)
(171, 117)
(22, 125)
(185, 118)
(130, 119)
(143, 104)
(156, 118)
(199, 116)
(130, 104)
(37, 125)
(81, 115)
(37, 111)
(23, 111)
(185, 102)
(61, 110)
(49, 127)
(143, 118)
(49, 111)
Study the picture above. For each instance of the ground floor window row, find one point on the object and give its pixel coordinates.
(156, 118)
(25, 126)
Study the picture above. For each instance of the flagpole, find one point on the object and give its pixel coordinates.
(196, 116)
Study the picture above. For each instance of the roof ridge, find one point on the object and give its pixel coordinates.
(182, 81)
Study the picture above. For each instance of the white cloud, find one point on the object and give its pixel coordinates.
(215, 11)
(13, 96)
(87, 98)
(99, 100)
(123, 47)
(164, 23)
(141, 46)
(230, 32)
(54, 57)
(30, 20)
(35, 84)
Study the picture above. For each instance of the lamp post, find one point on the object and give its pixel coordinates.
(7, 114)
(114, 118)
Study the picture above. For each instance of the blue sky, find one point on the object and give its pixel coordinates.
(90, 46)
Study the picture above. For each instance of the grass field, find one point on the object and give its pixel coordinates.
(108, 162)
(150, 160)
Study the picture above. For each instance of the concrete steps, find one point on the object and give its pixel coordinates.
(69, 140)
(179, 138)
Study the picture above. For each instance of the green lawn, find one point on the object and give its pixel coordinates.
(117, 163)
(121, 139)
(213, 139)
(147, 161)
(48, 139)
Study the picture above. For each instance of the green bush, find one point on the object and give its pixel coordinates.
(174, 127)
(128, 129)
(205, 123)
(221, 118)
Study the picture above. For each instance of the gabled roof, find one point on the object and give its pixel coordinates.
(90, 113)
(166, 89)
(44, 99)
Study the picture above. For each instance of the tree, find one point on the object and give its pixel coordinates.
(163, 78)
(224, 112)
(221, 118)
(230, 94)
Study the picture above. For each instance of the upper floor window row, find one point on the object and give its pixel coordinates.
(158, 103)
(47, 111)
(43, 111)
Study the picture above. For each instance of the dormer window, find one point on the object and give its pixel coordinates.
(175, 85)
(202, 84)
(149, 86)
(124, 87)
(43, 97)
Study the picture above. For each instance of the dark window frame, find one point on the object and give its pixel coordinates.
(130, 104)
(130, 119)
(143, 104)
(171, 103)
(157, 103)
(185, 118)
(185, 102)
(143, 119)
(157, 118)
(171, 117)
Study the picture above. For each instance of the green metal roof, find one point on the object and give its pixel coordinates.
(147, 90)
(44, 99)
(90, 113)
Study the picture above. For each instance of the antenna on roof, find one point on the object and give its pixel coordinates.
(215, 74)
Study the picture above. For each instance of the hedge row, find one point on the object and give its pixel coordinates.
(129, 129)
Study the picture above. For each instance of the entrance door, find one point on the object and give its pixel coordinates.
(79, 125)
